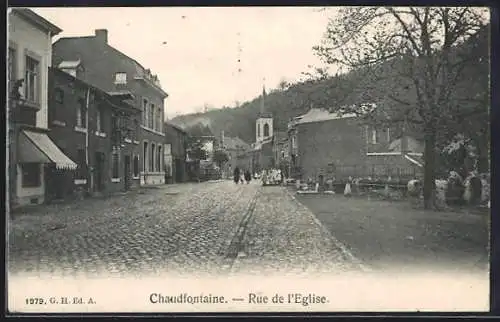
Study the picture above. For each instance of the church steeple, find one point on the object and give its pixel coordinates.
(264, 123)
(263, 101)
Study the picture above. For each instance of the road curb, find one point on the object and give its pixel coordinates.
(346, 253)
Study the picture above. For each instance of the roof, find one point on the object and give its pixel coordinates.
(264, 115)
(413, 145)
(176, 127)
(67, 64)
(122, 94)
(38, 20)
(140, 69)
(280, 135)
(321, 115)
(100, 91)
(234, 143)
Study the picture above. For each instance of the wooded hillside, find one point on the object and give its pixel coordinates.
(354, 87)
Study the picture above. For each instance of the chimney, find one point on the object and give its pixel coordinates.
(102, 35)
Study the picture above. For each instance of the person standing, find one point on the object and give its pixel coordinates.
(248, 176)
(242, 178)
(236, 175)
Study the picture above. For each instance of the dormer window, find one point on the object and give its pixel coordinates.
(121, 78)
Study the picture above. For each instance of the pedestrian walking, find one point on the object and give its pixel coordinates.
(242, 177)
(236, 175)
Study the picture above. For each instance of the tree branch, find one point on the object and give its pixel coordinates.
(407, 30)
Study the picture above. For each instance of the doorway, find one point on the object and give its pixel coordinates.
(126, 172)
(98, 172)
(179, 170)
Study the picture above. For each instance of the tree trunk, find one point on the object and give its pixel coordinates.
(483, 164)
(429, 168)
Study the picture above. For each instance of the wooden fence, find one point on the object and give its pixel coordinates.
(376, 171)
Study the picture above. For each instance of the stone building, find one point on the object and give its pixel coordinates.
(112, 71)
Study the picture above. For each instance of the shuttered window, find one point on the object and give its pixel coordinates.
(136, 165)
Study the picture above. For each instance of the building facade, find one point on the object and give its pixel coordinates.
(30, 150)
(100, 132)
(341, 145)
(175, 153)
(121, 76)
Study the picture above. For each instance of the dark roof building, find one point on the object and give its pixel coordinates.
(121, 76)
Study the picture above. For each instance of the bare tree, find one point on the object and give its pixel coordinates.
(420, 43)
(283, 85)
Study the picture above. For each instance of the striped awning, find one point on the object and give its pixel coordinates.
(35, 147)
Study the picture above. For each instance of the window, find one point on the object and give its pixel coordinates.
(98, 120)
(121, 78)
(153, 111)
(30, 174)
(126, 125)
(115, 165)
(81, 120)
(115, 131)
(158, 159)
(145, 112)
(31, 80)
(160, 120)
(59, 96)
(374, 136)
(145, 157)
(152, 158)
(136, 166)
(151, 116)
(12, 68)
(258, 130)
(266, 130)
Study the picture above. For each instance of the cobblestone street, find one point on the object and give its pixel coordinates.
(206, 228)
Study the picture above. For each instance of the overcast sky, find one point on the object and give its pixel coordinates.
(195, 51)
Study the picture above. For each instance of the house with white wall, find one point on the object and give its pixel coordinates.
(30, 148)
